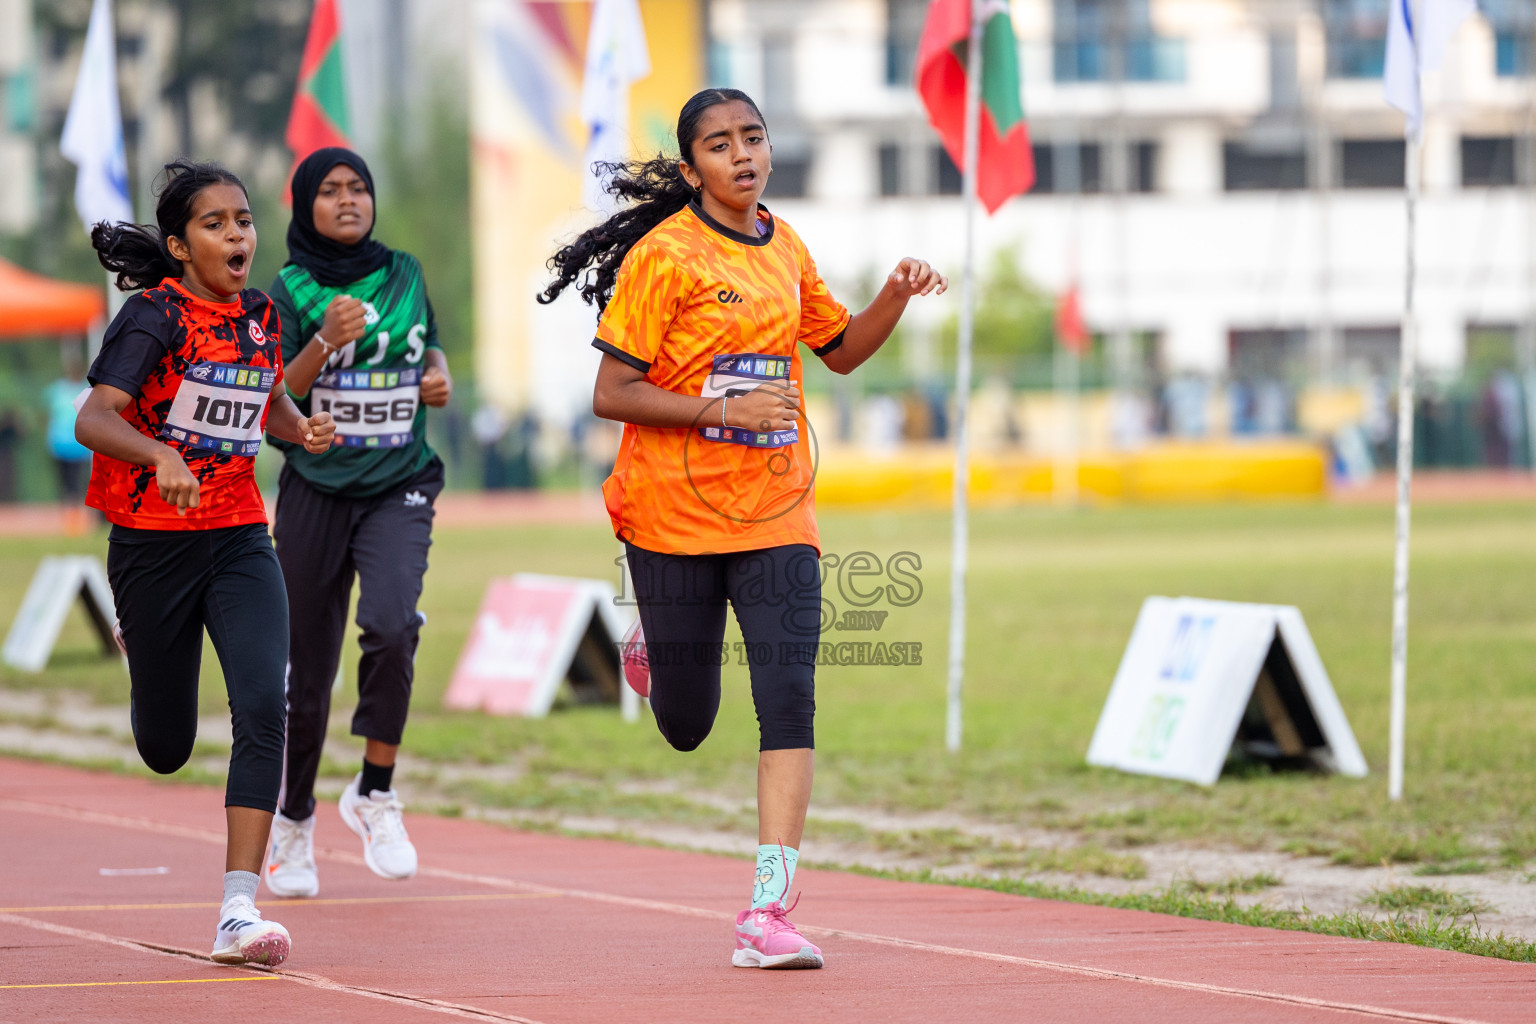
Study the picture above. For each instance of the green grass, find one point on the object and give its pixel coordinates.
(1053, 596)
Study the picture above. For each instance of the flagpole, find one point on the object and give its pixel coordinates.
(972, 150)
(1407, 360)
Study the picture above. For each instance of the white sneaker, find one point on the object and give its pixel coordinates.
(376, 817)
(291, 858)
(244, 938)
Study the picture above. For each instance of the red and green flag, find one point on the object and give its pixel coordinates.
(319, 115)
(1006, 166)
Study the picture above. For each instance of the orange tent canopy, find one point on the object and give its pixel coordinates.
(32, 304)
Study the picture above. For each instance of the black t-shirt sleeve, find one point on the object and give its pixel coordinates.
(288, 317)
(130, 351)
(431, 339)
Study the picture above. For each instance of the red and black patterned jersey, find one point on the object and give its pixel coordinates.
(226, 357)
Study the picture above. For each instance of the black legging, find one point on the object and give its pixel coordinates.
(170, 584)
(776, 593)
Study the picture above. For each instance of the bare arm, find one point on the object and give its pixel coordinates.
(345, 321)
(622, 393)
(436, 382)
(284, 421)
(869, 329)
(101, 428)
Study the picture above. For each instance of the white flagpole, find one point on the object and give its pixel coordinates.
(959, 554)
(1407, 359)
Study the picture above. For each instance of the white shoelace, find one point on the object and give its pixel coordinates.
(293, 844)
(385, 826)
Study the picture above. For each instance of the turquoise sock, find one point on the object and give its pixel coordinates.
(775, 873)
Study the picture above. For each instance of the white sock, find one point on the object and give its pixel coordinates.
(240, 883)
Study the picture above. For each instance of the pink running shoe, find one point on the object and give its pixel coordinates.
(636, 660)
(766, 938)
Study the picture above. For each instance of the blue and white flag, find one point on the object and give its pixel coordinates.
(616, 56)
(93, 128)
(1414, 47)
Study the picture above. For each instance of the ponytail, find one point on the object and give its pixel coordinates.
(653, 189)
(137, 253)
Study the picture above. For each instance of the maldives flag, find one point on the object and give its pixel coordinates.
(1006, 166)
(1070, 329)
(319, 115)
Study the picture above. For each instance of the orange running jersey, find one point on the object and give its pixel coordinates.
(164, 341)
(705, 310)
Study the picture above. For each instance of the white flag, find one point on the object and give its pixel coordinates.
(93, 128)
(1431, 34)
(616, 56)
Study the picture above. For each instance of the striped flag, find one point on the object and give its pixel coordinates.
(93, 128)
(1416, 47)
(319, 115)
(1006, 165)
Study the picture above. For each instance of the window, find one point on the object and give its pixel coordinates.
(1372, 163)
(1045, 170)
(1055, 173)
(903, 30)
(1514, 35)
(778, 76)
(947, 180)
(890, 169)
(790, 176)
(1488, 161)
(1111, 40)
(1143, 167)
(1248, 168)
(1356, 33)
(1371, 351)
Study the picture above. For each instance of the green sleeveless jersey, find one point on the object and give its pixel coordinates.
(370, 387)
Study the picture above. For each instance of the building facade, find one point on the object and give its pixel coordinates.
(1221, 177)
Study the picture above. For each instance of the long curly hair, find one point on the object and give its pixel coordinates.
(652, 191)
(137, 253)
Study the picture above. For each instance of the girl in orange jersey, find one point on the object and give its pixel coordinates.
(189, 374)
(706, 297)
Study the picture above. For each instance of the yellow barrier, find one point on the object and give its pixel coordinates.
(922, 476)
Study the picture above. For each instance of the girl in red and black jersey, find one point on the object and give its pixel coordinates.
(190, 374)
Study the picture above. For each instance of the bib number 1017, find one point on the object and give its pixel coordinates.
(342, 410)
(225, 412)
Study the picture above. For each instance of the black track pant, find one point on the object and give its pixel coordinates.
(322, 541)
(776, 593)
(168, 586)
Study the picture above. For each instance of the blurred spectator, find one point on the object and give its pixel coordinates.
(1186, 397)
(489, 426)
(882, 423)
(11, 429)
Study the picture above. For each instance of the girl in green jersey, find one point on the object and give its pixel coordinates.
(359, 341)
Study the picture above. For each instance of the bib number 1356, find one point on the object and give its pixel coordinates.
(373, 408)
(349, 410)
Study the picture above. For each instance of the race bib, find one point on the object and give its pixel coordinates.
(218, 408)
(736, 375)
(372, 408)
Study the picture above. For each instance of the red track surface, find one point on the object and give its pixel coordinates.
(503, 925)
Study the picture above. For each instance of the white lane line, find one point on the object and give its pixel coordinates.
(298, 977)
(496, 881)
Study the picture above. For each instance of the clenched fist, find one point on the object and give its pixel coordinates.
(318, 431)
(345, 321)
(436, 387)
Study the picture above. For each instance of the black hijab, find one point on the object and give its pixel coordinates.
(331, 263)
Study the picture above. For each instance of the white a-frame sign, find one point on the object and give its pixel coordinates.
(1200, 677)
(60, 579)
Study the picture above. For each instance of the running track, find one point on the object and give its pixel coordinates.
(509, 926)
